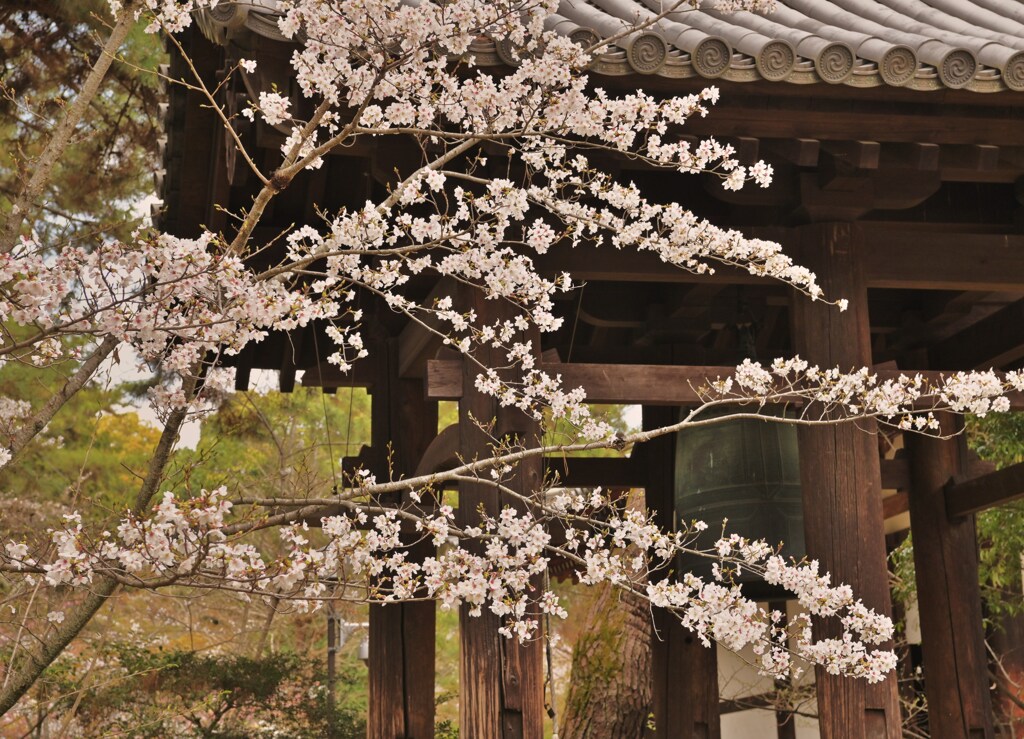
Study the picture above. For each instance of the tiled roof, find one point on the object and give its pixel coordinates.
(972, 44)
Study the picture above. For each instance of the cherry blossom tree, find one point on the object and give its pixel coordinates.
(387, 68)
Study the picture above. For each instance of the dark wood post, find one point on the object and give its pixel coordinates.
(501, 687)
(840, 476)
(401, 634)
(685, 672)
(949, 598)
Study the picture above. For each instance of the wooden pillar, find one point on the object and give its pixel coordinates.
(401, 634)
(684, 671)
(501, 686)
(841, 479)
(949, 598)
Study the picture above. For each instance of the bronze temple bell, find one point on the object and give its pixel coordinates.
(747, 471)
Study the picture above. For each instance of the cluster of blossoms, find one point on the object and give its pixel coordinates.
(905, 401)
(172, 299)
(494, 565)
(385, 68)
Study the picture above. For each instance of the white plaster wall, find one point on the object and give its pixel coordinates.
(736, 679)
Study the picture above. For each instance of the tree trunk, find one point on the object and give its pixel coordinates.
(610, 690)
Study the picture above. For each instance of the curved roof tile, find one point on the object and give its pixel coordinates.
(921, 44)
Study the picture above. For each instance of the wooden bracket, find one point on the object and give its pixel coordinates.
(964, 497)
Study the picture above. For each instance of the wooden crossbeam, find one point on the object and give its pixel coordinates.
(328, 376)
(747, 149)
(894, 505)
(762, 700)
(953, 127)
(610, 472)
(984, 492)
(895, 474)
(639, 384)
(942, 260)
(894, 257)
(987, 343)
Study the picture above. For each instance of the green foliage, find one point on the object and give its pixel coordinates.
(157, 693)
(89, 456)
(446, 730)
(999, 438)
(447, 675)
(46, 51)
(562, 432)
(279, 444)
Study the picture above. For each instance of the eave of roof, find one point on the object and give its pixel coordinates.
(976, 45)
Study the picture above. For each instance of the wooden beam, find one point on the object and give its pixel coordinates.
(949, 598)
(895, 474)
(855, 154)
(894, 505)
(994, 341)
(401, 674)
(902, 189)
(243, 367)
(942, 260)
(834, 193)
(894, 257)
(587, 263)
(402, 638)
(609, 472)
(501, 689)
(965, 497)
(629, 384)
(364, 373)
(845, 124)
(981, 157)
(290, 357)
(747, 149)
(916, 156)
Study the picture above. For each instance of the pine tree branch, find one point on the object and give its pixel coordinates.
(42, 168)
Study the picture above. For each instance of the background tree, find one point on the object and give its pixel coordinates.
(610, 686)
(215, 666)
(47, 49)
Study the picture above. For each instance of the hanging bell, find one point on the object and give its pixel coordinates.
(746, 471)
